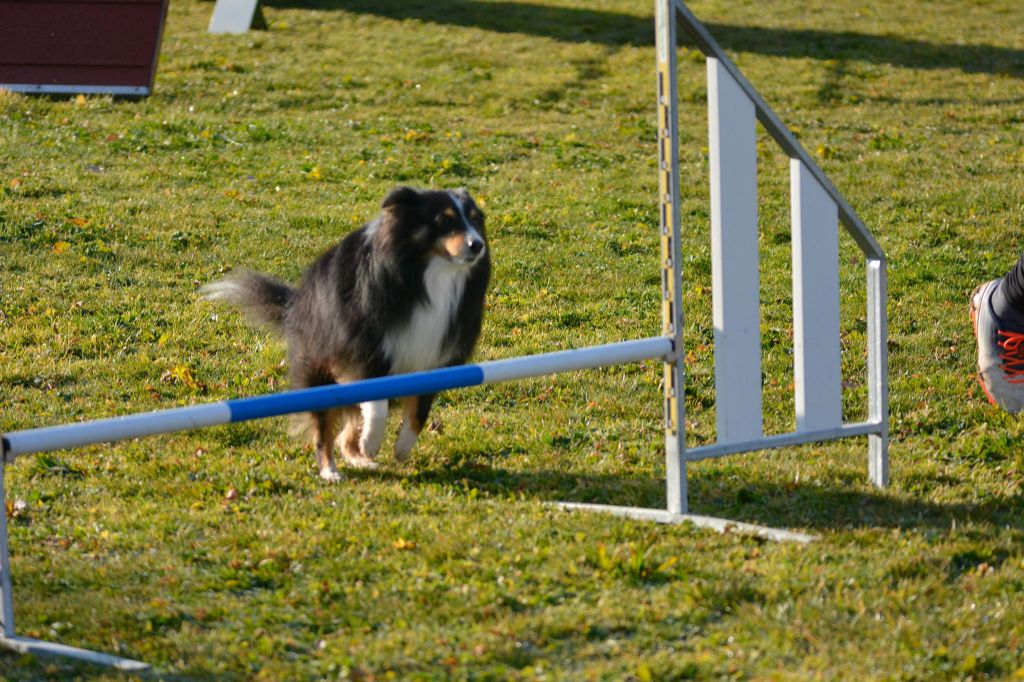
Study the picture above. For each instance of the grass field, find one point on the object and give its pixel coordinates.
(219, 555)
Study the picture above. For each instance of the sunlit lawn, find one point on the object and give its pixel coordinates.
(219, 554)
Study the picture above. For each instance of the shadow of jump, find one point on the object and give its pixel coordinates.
(577, 25)
(843, 503)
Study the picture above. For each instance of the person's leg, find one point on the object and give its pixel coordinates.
(997, 313)
(1008, 298)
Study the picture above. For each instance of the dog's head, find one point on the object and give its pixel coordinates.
(447, 223)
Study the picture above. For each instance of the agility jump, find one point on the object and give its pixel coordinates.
(817, 210)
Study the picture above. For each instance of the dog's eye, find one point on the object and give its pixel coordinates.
(446, 223)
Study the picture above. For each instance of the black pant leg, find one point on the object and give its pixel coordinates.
(1012, 287)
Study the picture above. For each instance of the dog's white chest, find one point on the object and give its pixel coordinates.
(420, 343)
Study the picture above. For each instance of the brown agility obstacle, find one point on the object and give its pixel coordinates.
(67, 47)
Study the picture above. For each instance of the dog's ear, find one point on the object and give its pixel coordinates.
(400, 196)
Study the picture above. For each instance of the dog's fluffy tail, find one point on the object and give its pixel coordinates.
(262, 298)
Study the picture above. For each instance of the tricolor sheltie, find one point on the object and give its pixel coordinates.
(403, 293)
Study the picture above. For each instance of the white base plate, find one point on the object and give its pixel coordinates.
(663, 516)
(36, 647)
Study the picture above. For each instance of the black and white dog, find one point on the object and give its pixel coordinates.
(403, 293)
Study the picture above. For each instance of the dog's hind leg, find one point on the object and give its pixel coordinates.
(325, 425)
(350, 440)
(305, 373)
(415, 411)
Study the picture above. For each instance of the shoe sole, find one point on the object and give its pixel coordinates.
(975, 295)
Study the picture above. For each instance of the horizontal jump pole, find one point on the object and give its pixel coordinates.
(324, 397)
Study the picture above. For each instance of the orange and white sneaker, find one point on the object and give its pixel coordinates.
(1000, 352)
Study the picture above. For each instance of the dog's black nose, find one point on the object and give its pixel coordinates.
(475, 246)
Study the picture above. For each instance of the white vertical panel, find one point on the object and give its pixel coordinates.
(232, 16)
(816, 351)
(734, 258)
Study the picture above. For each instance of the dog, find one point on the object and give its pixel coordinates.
(403, 293)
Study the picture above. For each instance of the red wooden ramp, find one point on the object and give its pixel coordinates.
(80, 46)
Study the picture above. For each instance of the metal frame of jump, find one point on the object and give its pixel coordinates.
(817, 211)
(817, 208)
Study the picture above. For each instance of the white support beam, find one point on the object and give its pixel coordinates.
(878, 376)
(735, 281)
(816, 352)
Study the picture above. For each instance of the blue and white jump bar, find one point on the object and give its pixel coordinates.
(324, 397)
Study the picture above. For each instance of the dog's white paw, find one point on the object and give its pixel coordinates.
(406, 441)
(331, 475)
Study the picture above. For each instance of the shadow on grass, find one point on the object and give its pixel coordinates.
(737, 494)
(569, 24)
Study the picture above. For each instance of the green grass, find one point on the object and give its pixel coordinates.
(218, 554)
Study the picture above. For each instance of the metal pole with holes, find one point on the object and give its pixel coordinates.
(671, 259)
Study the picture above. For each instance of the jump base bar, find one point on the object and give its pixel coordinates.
(37, 647)
(711, 522)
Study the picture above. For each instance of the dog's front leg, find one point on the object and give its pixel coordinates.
(415, 411)
(375, 421)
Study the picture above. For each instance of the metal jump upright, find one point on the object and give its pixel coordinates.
(817, 210)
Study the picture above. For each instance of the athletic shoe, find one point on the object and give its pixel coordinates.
(1000, 352)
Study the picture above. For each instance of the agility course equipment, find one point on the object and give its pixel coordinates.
(92, 47)
(816, 208)
(260, 407)
(817, 211)
(235, 16)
